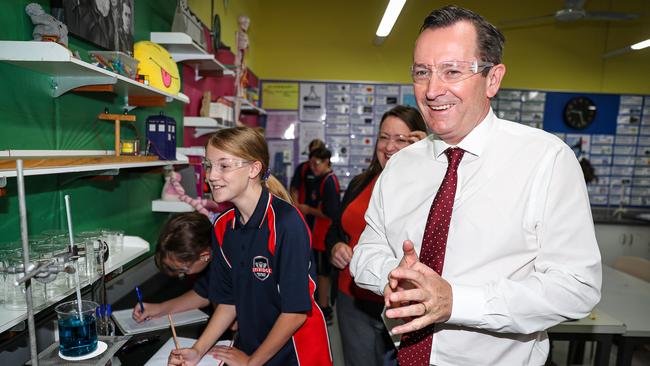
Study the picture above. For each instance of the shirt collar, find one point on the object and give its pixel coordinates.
(258, 215)
(474, 143)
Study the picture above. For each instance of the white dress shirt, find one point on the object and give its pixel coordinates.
(521, 253)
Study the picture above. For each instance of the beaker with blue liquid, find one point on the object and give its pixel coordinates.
(77, 332)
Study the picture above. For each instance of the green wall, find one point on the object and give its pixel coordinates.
(32, 120)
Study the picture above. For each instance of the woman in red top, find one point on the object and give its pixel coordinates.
(364, 337)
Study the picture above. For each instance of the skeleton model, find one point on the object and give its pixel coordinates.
(240, 62)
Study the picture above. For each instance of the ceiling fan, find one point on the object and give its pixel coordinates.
(573, 10)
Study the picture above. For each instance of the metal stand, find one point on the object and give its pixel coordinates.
(28, 282)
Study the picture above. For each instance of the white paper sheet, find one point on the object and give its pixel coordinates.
(160, 358)
(124, 320)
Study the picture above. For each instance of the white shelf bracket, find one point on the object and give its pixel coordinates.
(126, 106)
(197, 77)
(3, 182)
(63, 84)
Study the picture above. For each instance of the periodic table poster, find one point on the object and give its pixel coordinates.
(617, 143)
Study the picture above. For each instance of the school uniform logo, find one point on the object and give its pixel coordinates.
(261, 268)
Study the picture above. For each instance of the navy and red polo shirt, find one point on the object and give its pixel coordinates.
(263, 269)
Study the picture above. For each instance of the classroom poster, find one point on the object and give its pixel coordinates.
(281, 125)
(281, 159)
(312, 102)
(308, 132)
(280, 95)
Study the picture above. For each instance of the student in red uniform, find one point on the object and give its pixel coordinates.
(322, 204)
(303, 177)
(262, 261)
(364, 338)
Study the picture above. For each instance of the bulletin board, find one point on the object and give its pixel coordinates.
(346, 116)
(616, 143)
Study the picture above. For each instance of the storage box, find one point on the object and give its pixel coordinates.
(223, 111)
(115, 61)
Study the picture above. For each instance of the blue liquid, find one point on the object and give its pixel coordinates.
(77, 339)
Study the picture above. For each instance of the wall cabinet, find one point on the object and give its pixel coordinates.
(618, 240)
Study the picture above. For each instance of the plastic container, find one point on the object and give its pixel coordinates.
(115, 61)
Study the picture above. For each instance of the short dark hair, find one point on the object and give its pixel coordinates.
(315, 144)
(183, 237)
(490, 40)
(320, 153)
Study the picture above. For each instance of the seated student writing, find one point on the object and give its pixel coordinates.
(183, 249)
(262, 261)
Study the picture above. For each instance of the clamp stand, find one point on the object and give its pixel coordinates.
(117, 118)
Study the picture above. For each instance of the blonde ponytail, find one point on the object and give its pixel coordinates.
(277, 188)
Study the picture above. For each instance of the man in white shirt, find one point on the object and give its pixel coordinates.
(521, 253)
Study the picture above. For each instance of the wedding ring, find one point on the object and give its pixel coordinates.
(425, 308)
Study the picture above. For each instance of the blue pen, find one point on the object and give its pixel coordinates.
(137, 292)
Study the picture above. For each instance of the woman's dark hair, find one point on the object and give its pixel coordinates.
(183, 237)
(490, 40)
(413, 120)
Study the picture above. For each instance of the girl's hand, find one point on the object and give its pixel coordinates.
(150, 311)
(231, 356)
(184, 357)
(341, 255)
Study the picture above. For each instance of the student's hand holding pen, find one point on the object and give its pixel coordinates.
(151, 311)
(184, 357)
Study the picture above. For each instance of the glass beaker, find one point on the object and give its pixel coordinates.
(115, 240)
(85, 262)
(92, 241)
(77, 332)
(15, 269)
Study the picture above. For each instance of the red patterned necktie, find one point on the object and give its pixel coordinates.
(415, 347)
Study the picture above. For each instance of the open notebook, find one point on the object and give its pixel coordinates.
(127, 325)
(160, 358)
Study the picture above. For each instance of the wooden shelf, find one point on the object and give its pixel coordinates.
(170, 206)
(246, 105)
(68, 73)
(183, 49)
(133, 248)
(34, 165)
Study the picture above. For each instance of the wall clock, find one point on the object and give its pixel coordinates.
(579, 112)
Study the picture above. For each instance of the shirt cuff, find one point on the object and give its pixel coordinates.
(468, 305)
(386, 268)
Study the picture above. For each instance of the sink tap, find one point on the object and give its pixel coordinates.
(618, 213)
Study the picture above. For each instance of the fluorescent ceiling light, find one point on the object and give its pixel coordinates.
(641, 45)
(634, 47)
(388, 20)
